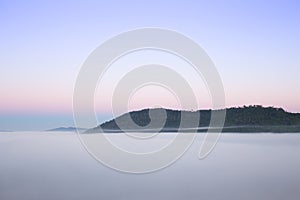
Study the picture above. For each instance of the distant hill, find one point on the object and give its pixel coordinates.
(66, 129)
(6, 131)
(241, 119)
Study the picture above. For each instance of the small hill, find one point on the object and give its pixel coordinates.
(241, 119)
(66, 129)
(6, 131)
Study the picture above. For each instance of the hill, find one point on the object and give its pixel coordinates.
(66, 129)
(6, 131)
(242, 119)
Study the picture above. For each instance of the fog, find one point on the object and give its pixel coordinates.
(54, 165)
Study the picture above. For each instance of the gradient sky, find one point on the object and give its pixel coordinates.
(254, 44)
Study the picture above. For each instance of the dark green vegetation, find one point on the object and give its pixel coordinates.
(241, 119)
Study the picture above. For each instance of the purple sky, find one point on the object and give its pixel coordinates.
(255, 46)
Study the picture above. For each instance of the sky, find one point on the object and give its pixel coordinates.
(255, 46)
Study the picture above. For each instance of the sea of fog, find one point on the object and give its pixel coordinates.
(54, 165)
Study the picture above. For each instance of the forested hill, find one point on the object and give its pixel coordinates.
(241, 119)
